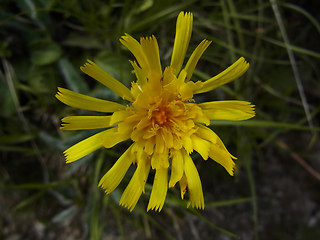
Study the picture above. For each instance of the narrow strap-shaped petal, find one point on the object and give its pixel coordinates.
(228, 110)
(151, 50)
(181, 41)
(160, 145)
(81, 101)
(159, 190)
(194, 183)
(149, 146)
(185, 91)
(177, 167)
(209, 135)
(117, 137)
(136, 49)
(187, 144)
(85, 122)
(236, 70)
(160, 160)
(194, 58)
(206, 133)
(119, 116)
(168, 77)
(201, 145)
(183, 183)
(140, 74)
(136, 185)
(114, 176)
(86, 146)
(223, 157)
(96, 72)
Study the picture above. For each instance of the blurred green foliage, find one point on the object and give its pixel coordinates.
(44, 42)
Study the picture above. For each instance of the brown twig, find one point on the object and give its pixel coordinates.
(300, 160)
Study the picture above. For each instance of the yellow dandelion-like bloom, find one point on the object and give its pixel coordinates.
(161, 119)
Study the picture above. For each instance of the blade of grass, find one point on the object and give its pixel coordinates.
(159, 15)
(154, 223)
(9, 76)
(29, 200)
(94, 209)
(263, 124)
(35, 185)
(303, 12)
(226, 203)
(293, 62)
(226, 20)
(247, 160)
(273, 41)
(244, 149)
(213, 226)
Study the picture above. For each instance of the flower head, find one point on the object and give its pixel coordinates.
(162, 120)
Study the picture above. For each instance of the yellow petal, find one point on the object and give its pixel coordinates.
(160, 160)
(136, 49)
(197, 113)
(221, 145)
(86, 146)
(167, 138)
(136, 185)
(228, 110)
(194, 58)
(115, 175)
(183, 183)
(168, 76)
(181, 41)
(85, 122)
(194, 183)
(236, 70)
(187, 144)
(140, 74)
(116, 137)
(211, 136)
(201, 146)
(177, 167)
(159, 144)
(149, 146)
(159, 190)
(222, 157)
(84, 102)
(185, 91)
(151, 50)
(206, 133)
(119, 116)
(96, 72)
(137, 151)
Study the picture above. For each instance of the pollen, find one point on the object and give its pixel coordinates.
(160, 116)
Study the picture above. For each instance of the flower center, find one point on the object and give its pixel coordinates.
(163, 117)
(160, 115)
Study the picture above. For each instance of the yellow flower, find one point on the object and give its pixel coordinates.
(162, 120)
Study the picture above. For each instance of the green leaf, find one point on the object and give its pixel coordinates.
(43, 79)
(44, 52)
(17, 138)
(82, 41)
(7, 107)
(65, 215)
(29, 7)
(72, 77)
(141, 7)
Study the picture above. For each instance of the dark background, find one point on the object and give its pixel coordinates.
(275, 191)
